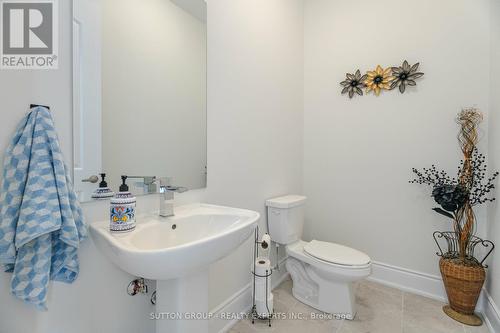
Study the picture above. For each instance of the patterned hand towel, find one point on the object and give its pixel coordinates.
(41, 222)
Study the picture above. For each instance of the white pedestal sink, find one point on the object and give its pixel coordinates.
(177, 251)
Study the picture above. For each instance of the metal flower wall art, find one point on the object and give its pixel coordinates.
(380, 79)
(405, 75)
(353, 84)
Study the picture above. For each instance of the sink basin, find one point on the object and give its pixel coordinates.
(177, 251)
(162, 248)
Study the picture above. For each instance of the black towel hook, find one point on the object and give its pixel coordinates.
(35, 105)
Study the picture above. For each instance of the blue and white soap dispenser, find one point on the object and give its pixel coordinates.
(103, 192)
(122, 210)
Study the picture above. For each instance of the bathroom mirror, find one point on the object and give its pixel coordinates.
(139, 93)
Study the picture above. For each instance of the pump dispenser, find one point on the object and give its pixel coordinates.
(103, 192)
(122, 210)
(124, 186)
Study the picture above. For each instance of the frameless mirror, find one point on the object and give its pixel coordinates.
(139, 97)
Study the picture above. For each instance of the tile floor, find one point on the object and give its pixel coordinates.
(380, 310)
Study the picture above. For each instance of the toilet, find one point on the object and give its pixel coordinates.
(322, 272)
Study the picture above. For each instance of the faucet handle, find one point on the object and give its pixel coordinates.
(163, 181)
(169, 188)
(178, 189)
(164, 185)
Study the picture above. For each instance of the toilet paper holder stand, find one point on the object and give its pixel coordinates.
(258, 244)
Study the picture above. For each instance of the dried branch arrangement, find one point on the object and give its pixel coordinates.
(458, 195)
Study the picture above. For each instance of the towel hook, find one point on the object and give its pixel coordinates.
(36, 105)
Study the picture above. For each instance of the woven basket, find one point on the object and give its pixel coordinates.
(463, 284)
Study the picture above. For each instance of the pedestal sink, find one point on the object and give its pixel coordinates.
(177, 251)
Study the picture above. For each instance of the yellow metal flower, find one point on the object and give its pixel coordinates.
(378, 79)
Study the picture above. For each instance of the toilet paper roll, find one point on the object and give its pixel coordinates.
(264, 309)
(265, 242)
(262, 266)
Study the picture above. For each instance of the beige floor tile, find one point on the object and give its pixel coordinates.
(415, 328)
(427, 314)
(305, 311)
(328, 328)
(374, 319)
(308, 313)
(242, 327)
(286, 285)
(257, 326)
(284, 296)
(281, 311)
(280, 306)
(379, 298)
(477, 329)
(379, 286)
(300, 326)
(380, 310)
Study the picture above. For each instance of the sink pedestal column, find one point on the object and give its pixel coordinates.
(182, 304)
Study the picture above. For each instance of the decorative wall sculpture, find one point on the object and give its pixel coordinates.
(405, 75)
(353, 83)
(381, 79)
(378, 80)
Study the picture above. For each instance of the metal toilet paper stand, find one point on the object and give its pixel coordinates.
(254, 313)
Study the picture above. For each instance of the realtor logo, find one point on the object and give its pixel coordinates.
(29, 34)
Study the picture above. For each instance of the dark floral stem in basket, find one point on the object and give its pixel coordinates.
(458, 195)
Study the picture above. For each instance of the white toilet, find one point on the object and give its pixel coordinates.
(322, 272)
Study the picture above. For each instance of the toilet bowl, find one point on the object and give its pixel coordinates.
(324, 284)
(322, 272)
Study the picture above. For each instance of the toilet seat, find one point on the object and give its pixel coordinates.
(296, 250)
(336, 253)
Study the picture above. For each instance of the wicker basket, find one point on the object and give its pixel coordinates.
(463, 284)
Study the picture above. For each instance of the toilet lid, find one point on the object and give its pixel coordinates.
(336, 253)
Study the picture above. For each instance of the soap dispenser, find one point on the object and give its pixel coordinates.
(103, 191)
(122, 217)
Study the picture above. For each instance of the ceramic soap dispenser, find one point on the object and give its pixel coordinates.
(103, 191)
(122, 210)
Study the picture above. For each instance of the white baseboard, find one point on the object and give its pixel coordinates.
(490, 311)
(408, 280)
(239, 303)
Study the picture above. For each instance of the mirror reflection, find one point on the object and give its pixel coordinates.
(139, 94)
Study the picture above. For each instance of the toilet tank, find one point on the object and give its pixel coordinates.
(286, 218)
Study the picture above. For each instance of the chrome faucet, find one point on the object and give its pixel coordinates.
(148, 182)
(167, 198)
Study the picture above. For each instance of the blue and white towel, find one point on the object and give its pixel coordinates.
(41, 222)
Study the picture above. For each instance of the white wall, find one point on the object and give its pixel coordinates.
(96, 302)
(358, 153)
(493, 281)
(255, 69)
(153, 92)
